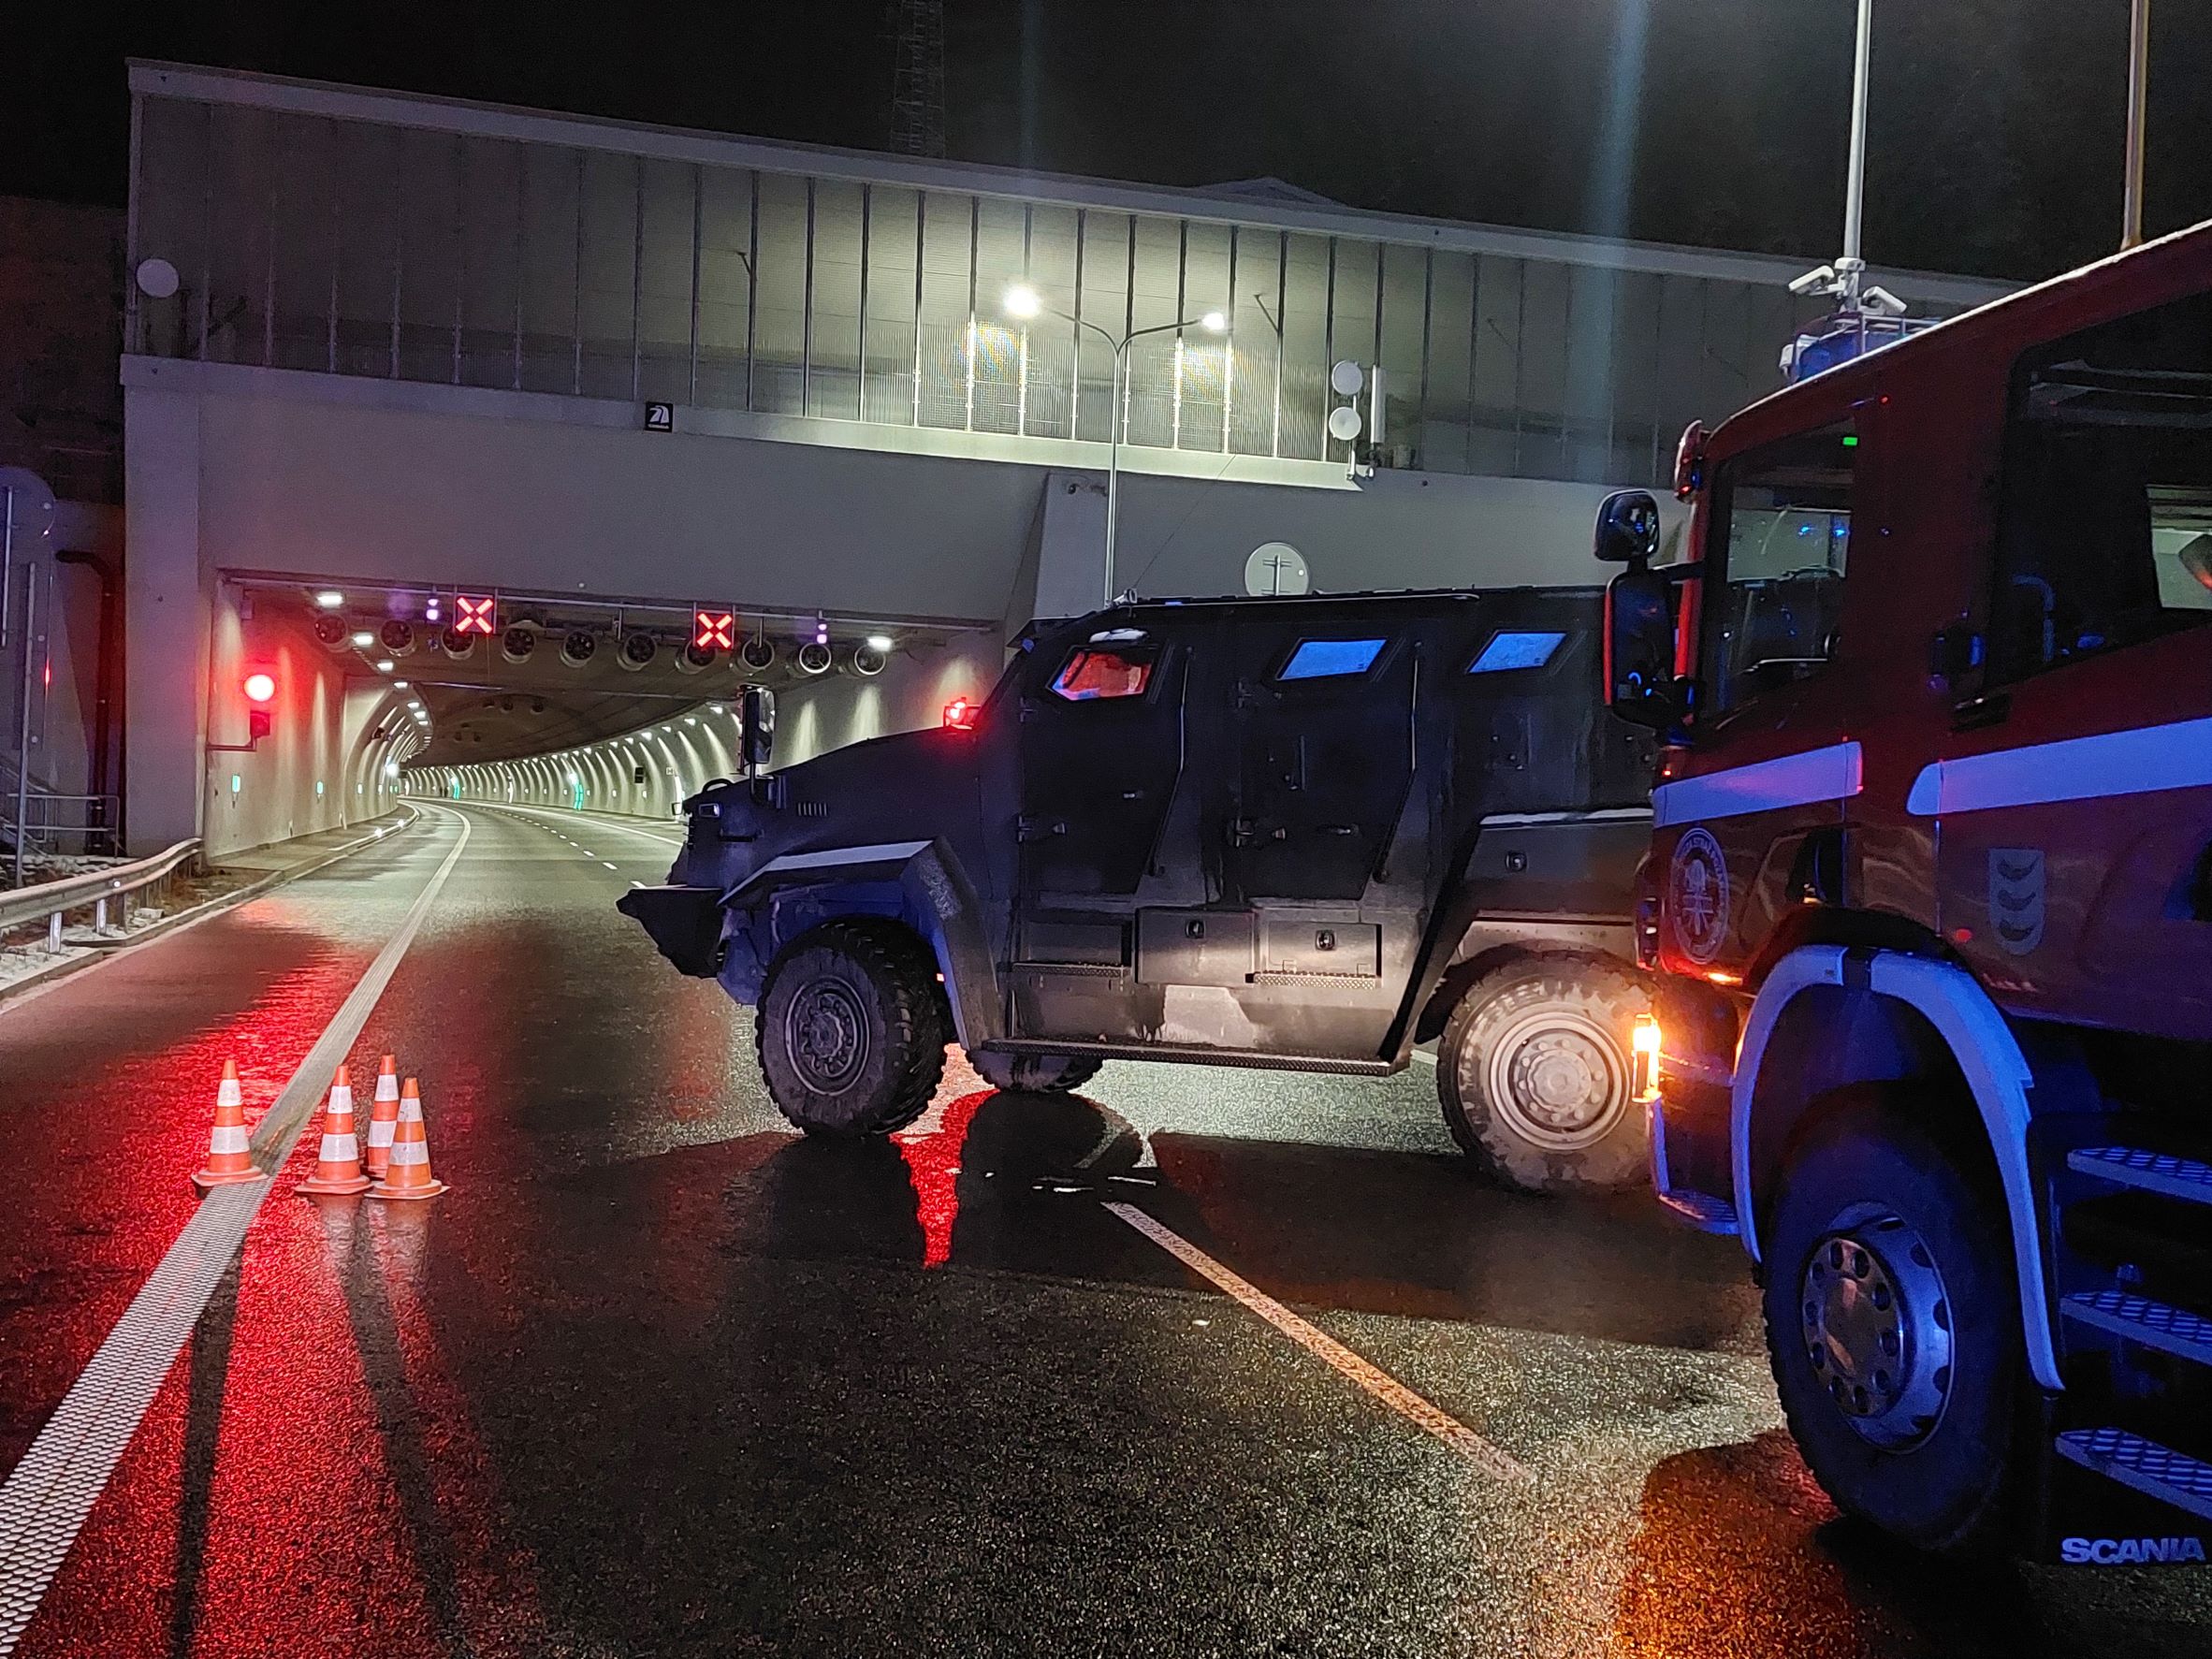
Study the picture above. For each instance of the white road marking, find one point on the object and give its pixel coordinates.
(532, 815)
(1491, 1460)
(608, 862)
(48, 1495)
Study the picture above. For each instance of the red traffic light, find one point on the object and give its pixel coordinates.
(474, 615)
(960, 714)
(714, 631)
(260, 686)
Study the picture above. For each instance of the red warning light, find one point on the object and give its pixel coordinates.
(260, 686)
(960, 714)
(714, 631)
(474, 616)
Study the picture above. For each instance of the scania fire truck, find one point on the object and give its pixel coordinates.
(1929, 904)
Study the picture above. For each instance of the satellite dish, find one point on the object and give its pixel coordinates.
(157, 278)
(1276, 568)
(1344, 378)
(1343, 423)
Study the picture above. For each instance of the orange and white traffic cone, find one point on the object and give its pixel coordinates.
(383, 1111)
(407, 1176)
(228, 1162)
(338, 1165)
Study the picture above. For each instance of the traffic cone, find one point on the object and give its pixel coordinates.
(407, 1176)
(338, 1165)
(383, 1111)
(228, 1163)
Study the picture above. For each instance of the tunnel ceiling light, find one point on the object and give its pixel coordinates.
(1021, 302)
(364, 639)
(383, 665)
(1214, 323)
(399, 685)
(329, 599)
(879, 642)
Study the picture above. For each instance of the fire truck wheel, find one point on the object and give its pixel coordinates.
(1033, 1074)
(849, 1031)
(1893, 1319)
(1533, 1072)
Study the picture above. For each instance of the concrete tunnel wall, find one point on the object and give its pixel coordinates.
(680, 752)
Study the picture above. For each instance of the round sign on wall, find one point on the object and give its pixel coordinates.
(1276, 568)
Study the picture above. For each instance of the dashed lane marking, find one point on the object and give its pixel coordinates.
(48, 1495)
(1491, 1460)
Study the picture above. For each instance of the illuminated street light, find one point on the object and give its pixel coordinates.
(1023, 303)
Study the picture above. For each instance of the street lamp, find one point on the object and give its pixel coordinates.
(1023, 303)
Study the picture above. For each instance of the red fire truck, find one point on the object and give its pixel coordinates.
(1929, 903)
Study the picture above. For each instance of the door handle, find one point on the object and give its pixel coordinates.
(1031, 827)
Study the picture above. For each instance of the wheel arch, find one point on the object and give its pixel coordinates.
(917, 885)
(1829, 1015)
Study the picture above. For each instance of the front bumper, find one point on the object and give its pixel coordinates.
(685, 923)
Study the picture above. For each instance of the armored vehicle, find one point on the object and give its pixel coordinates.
(1303, 834)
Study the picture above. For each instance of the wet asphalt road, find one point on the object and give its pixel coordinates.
(657, 1377)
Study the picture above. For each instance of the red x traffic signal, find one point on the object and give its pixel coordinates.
(714, 631)
(474, 616)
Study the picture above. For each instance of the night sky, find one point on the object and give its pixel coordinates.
(1996, 137)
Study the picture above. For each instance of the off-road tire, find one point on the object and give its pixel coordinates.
(1536, 1077)
(851, 1029)
(1869, 1161)
(1033, 1074)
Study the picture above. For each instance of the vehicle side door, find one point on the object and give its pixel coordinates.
(2072, 800)
(1750, 820)
(1101, 751)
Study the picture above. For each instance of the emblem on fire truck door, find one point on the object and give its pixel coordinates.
(1697, 895)
(2015, 897)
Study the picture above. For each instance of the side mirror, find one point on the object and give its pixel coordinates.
(1640, 646)
(1627, 528)
(756, 729)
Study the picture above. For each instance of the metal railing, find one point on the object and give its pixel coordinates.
(103, 892)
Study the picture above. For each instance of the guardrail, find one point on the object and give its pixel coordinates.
(95, 890)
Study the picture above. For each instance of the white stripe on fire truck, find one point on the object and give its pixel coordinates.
(1804, 779)
(2131, 763)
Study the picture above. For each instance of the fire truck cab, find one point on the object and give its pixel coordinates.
(1929, 904)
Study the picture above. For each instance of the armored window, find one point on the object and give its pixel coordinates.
(1509, 650)
(1095, 673)
(1329, 659)
(2104, 534)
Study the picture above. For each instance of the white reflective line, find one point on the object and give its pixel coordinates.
(48, 1495)
(608, 862)
(1491, 1460)
(1831, 774)
(2136, 761)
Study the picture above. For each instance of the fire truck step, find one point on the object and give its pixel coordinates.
(2154, 1324)
(2153, 1172)
(2156, 1471)
(1701, 1210)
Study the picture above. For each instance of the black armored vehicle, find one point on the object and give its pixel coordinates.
(1306, 834)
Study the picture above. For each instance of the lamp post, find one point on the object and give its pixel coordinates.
(2138, 101)
(1023, 304)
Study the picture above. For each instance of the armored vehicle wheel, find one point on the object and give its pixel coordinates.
(1033, 1074)
(1893, 1319)
(1534, 1075)
(850, 1030)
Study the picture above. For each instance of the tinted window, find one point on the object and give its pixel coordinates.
(1325, 659)
(2105, 538)
(1094, 673)
(1780, 529)
(1509, 650)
